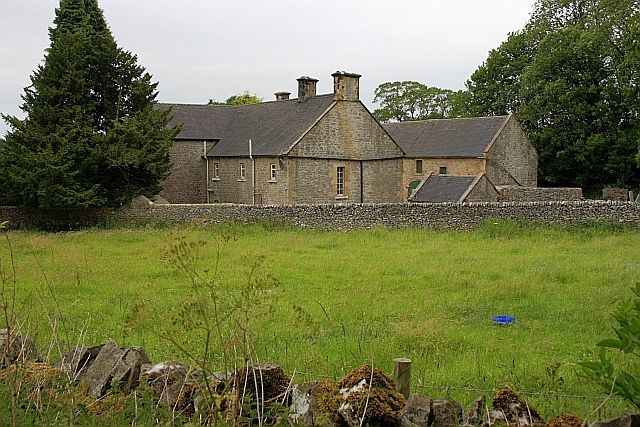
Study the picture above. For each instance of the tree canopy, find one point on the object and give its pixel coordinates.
(572, 75)
(245, 98)
(410, 100)
(91, 136)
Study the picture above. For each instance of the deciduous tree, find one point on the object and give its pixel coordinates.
(409, 100)
(245, 98)
(572, 75)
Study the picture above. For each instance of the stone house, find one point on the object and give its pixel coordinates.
(330, 149)
(313, 149)
(471, 157)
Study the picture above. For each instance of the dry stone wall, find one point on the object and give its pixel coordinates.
(534, 194)
(340, 217)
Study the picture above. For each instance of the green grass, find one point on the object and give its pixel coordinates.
(361, 297)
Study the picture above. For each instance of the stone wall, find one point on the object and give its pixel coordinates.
(455, 166)
(188, 178)
(347, 136)
(347, 131)
(482, 191)
(381, 178)
(340, 216)
(512, 159)
(533, 194)
(615, 194)
(229, 187)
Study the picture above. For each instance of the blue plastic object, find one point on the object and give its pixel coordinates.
(504, 320)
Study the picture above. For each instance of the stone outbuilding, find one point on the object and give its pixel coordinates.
(454, 189)
(312, 149)
(493, 149)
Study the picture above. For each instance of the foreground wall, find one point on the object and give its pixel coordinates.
(340, 217)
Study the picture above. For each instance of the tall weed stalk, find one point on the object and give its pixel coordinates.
(8, 293)
(219, 314)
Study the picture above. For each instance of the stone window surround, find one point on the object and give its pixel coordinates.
(419, 166)
(341, 172)
(243, 172)
(272, 172)
(215, 171)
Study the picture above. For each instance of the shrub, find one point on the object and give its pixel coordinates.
(620, 376)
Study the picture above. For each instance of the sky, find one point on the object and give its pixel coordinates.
(209, 49)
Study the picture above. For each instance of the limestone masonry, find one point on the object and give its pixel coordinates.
(456, 216)
(329, 149)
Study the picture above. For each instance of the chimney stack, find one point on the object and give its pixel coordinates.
(282, 96)
(346, 86)
(306, 88)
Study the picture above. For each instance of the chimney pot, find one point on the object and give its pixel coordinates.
(306, 88)
(282, 96)
(346, 86)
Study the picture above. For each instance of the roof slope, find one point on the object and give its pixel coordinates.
(273, 127)
(446, 137)
(443, 188)
(199, 122)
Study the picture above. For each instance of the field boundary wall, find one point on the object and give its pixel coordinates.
(334, 217)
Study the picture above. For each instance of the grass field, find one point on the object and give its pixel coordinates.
(339, 300)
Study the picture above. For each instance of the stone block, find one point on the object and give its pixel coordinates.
(114, 364)
(15, 348)
(418, 412)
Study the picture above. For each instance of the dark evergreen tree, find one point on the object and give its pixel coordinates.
(91, 136)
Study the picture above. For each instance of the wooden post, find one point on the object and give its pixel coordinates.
(402, 375)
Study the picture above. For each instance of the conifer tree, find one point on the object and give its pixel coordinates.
(91, 136)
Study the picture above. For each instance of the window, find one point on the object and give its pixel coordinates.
(243, 172)
(215, 171)
(443, 170)
(340, 181)
(419, 166)
(272, 176)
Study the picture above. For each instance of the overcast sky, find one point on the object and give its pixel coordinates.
(202, 49)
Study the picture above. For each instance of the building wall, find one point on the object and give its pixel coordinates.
(187, 180)
(381, 181)
(483, 191)
(512, 160)
(347, 131)
(455, 167)
(347, 136)
(315, 181)
(229, 187)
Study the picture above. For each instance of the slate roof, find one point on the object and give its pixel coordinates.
(199, 122)
(446, 137)
(273, 127)
(443, 188)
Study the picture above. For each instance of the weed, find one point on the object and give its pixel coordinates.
(621, 376)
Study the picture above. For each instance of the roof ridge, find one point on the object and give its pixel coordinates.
(187, 104)
(442, 119)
